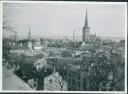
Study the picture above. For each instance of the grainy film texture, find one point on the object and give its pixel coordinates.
(63, 47)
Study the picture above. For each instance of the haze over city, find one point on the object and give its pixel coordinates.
(50, 19)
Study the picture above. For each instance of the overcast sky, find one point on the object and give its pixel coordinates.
(47, 19)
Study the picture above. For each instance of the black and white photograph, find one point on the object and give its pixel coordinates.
(64, 46)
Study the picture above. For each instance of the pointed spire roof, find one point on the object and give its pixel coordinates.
(86, 20)
(29, 34)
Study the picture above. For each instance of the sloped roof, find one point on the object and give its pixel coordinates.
(83, 44)
(13, 82)
(56, 83)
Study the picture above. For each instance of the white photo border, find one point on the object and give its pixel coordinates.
(64, 2)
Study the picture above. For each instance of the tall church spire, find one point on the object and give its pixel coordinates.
(29, 34)
(29, 40)
(86, 20)
(85, 33)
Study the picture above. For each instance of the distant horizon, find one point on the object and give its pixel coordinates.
(37, 37)
(66, 36)
(62, 35)
(25, 36)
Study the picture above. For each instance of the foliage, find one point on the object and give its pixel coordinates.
(66, 54)
(105, 74)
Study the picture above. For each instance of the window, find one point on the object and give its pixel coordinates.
(69, 81)
(79, 77)
(78, 83)
(50, 81)
(73, 82)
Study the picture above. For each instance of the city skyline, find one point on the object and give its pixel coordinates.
(62, 19)
(64, 47)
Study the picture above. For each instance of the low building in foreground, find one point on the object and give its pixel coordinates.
(54, 82)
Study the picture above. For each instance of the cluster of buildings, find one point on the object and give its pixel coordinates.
(45, 74)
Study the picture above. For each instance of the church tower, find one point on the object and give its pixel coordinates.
(86, 30)
(29, 34)
(29, 40)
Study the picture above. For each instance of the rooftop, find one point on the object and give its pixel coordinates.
(12, 82)
(74, 67)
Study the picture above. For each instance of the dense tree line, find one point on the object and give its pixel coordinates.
(105, 74)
